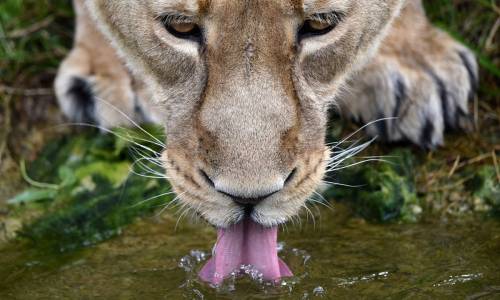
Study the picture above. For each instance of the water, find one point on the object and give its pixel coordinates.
(341, 257)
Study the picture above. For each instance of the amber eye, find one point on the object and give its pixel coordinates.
(319, 24)
(182, 27)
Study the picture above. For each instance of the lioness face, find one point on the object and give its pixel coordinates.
(244, 87)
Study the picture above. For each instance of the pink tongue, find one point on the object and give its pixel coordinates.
(246, 243)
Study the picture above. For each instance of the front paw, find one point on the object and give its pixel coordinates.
(96, 94)
(418, 91)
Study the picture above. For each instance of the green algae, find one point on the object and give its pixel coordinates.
(93, 189)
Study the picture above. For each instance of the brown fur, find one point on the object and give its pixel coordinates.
(248, 106)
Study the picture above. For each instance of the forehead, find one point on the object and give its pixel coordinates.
(195, 7)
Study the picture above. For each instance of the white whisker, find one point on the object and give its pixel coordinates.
(173, 202)
(154, 197)
(342, 184)
(326, 204)
(358, 163)
(111, 132)
(365, 126)
(142, 139)
(130, 120)
(309, 212)
(143, 166)
(186, 210)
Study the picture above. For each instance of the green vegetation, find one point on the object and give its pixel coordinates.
(34, 36)
(484, 188)
(85, 188)
(383, 191)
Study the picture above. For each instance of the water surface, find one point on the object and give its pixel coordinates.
(341, 257)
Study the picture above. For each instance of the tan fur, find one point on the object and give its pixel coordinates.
(248, 106)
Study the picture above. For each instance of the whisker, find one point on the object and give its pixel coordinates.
(141, 139)
(130, 120)
(154, 197)
(154, 160)
(299, 220)
(324, 203)
(142, 166)
(342, 184)
(111, 132)
(176, 199)
(309, 212)
(365, 126)
(358, 163)
(186, 210)
(140, 162)
(351, 151)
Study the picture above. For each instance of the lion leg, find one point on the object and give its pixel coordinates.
(93, 85)
(420, 83)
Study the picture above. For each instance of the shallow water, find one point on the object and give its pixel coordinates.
(341, 257)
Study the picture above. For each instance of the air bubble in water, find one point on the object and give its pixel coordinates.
(192, 262)
(198, 255)
(252, 272)
(186, 263)
(319, 291)
(280, 246)
(198, 294)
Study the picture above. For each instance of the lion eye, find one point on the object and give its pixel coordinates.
(320, 24)
(182, 27)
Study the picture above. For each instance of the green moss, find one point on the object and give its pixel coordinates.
(383, 191)
(485, 188)
(92, 193)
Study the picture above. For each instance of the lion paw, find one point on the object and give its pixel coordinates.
(97, 96)
(415, 91)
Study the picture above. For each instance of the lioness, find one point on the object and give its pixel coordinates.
(243, 88)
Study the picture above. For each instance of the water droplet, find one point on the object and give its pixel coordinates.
(280, 246)
(198, 255)
(186, 263)
(319, 291)
(198, 294)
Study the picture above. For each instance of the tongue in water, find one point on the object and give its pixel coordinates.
(246, 243)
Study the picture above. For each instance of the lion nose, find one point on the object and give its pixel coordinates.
(248, 198)
(248, 201)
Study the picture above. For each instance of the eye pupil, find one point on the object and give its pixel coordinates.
(187, 31)
(314, 28)
(320, 24)
(315, 25)
(182, 27)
